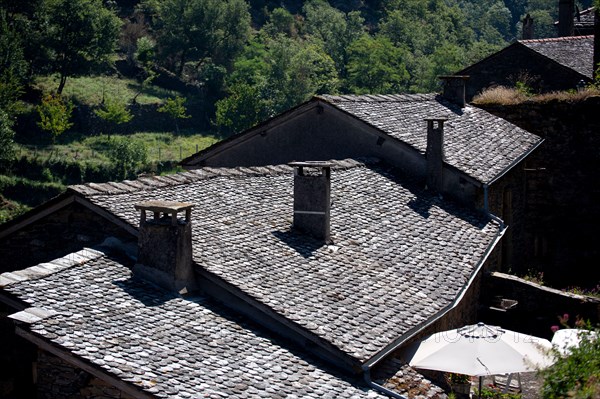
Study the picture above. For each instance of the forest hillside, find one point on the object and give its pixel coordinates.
(94, 83)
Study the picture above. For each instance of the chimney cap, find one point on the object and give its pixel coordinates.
(163, 206)
(439, 118)
(311, 164)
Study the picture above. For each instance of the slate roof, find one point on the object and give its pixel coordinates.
(476, 142)
(168, 346)
(400, 255)
(574, 52)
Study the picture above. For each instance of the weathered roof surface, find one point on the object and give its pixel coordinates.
(169, 346)
(396, 375)
(575, 52)
(400, 255)
(476, 142)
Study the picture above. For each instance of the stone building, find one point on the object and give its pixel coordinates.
(301, 280)
(480, 161)
(545, 65)
(253, 275)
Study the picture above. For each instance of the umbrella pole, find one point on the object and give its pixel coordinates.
(479, 393)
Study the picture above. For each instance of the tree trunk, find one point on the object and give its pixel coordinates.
(181, 63)
(61, 85)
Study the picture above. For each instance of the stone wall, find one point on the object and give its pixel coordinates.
(16, 358)
(507, 200)
(538, 307)
(562, 189)
(63, 232)
(57, 379)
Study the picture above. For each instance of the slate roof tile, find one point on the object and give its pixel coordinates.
(400, 255)
(476, 142)
(170, 346)
(575, 52)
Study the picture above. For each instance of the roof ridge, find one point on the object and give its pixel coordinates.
(202, 173)
(556, 39)
(374, 98)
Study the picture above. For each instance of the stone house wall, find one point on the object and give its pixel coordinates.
(60, 233)
(562, 188)
(507, 199)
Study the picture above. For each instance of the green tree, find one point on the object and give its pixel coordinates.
(7, 151)
(244, 107)
(335, 29)
(376, 66)
(273, 76)
(199, 30)
(79, 35)
(126, 155)
(13, 67)
(55, 114)
(114, 112)
(175, 108)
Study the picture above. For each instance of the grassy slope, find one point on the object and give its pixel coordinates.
(92, 89)
(77, 147)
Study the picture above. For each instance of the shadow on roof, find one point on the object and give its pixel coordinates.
(303, 244)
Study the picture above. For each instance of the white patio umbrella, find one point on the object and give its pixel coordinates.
(566, 339)
(480, 350)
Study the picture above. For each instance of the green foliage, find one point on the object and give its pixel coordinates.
(7, 151)
(145, 50)
(91, 90)
(198, 30)
(243, 108)
(11, 209)
(13, 66)
(273, 75)
(456, 378)
(335, 29)
(376, 66)
(79, 35)
(55, 114)
(175, 108)
(114, 112)
(576, 375)
(126, 155)
(496, 393)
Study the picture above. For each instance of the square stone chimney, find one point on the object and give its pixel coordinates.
(312, 199)
(455, 88)
(165, 245)
(435, 154)
(528, 32)
(566, 12)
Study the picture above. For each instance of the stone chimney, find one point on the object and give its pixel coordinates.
(527, 27)
(165, 245)
(435, 154)
(312, 198)
(454, 88)
(566, 12)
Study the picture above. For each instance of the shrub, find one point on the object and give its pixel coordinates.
(54, 115)
(114, 112)
(576, 375)
(126, 155)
